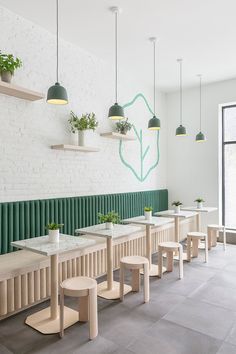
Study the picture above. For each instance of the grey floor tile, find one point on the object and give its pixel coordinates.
(202, 317)
(227, 348)
(166, 337)
(231, 338)
(4, 350)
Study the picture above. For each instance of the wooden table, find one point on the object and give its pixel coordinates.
(47, 321)
(110, 289)
(154, 222)
(199, 211)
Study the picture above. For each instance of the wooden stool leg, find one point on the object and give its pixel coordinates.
(195, 247)
(83, 309)
(206, 249)
(146, 283)
(122, 276)
(169, 261)
(160, 262)
(189, 248)
(61, 312)
(181, 263)
(224, 238)
(214, 238)
(93, 313)
(136, 280)
(209, 237)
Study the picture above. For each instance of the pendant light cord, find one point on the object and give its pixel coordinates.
(200, 100)
(116, 55)
(154, 78)
(181, 90)
(57, 13)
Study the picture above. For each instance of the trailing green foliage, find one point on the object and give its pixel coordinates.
(150, 208)
(53, 226)
(199, 200)
(85, 122)
(112, 216)
(123, 126)
(9, 63)
(177, 203)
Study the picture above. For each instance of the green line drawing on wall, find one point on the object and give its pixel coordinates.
(141, 175)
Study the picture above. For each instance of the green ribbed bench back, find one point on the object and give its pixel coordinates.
(22, 220)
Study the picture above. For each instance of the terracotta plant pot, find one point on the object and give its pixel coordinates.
(6, 76)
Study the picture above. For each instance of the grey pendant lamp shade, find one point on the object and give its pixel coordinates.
(116, 112)
(181, 130)
(200, 137)
(57, 94)
(154, 123)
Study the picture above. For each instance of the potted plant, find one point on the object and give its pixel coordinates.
(53, 231)
(177, 206)
(148, 212)
(81, 124)
(199, 202)
(109, 219)
(123, 127)
(8, 65)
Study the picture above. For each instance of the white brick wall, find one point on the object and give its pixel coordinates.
(29, 169)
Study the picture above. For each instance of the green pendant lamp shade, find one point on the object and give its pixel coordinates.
(57, 94)
(154, 123)
(116, 112)
(200, 137)
(181, 130)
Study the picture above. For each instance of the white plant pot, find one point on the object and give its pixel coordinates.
(53, 236)
(177, 209)
(86, 137)
(148, 215)
(199, 205)
(81, 138)
(109, 225)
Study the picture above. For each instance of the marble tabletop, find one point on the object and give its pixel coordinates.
(155, 221)
(41, 244)
(182, 214)
(117, 231)
(200, 210)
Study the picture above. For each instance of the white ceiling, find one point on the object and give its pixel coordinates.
(202, 32)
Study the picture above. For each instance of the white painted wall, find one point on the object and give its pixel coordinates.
(192, 167)
(29, 169)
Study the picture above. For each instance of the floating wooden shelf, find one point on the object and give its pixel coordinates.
(74, 148)
(19, 92)
(114, 135)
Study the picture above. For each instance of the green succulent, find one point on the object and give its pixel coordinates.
(53, 226)
(9, 63)
(112, 216)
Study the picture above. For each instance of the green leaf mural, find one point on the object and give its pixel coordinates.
(141, 175)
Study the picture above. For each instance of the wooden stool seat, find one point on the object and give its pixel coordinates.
(193, 242)
(135, 264)
(213, 233)
(169, 248)
(86, 289)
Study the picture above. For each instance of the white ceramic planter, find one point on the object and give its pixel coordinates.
(177, 209)
(81, 137)
(148, 215)
(109, 225)
(199, 205)
(53, 236)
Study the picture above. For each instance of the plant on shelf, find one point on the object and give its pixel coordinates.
(123, 127)
(199, 202)
(53, 231)
(109, 219)
(8, 65)
(78, 125)
(177, 205)
(148, 212)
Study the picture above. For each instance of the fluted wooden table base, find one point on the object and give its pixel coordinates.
(43, 323)
(153, 272)
(114, 293)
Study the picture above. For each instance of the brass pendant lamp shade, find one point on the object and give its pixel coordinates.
(200, 137)
(57, 94)
(116, 112)
(181, 130)
(154, 123)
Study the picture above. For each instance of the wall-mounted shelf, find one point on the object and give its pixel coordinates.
(19, 92)
(74, 148)
(118, 136)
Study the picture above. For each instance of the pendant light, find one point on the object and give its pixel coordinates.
(116, 112)
(181, 130)
(154, 123)
(57, 94)
(200, 136)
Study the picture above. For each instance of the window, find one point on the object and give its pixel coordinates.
(229, 166)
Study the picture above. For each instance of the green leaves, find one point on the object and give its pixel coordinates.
(9, 63)
(199, 200)
(123, 126)
(148, 208)
(86, 121)
(177, 203)
(53, 226)
(112, 216)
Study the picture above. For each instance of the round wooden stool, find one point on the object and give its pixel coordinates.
(86, 289)
(135, 263)
(213, 233)
(193, 239)
(170, 248)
